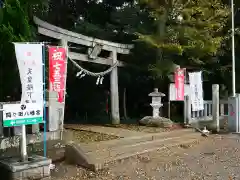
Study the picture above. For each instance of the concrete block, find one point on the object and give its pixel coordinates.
(14, 141)
(75, 155)
(37, 167)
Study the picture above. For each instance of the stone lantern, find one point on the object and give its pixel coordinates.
(156, 102)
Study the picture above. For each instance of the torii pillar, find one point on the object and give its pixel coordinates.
(114, 91)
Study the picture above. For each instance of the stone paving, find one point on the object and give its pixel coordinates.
(218, 158)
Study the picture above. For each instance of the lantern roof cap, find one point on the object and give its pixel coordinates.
(156, 93)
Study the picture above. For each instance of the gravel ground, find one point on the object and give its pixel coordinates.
(86, 136)
(218, 158)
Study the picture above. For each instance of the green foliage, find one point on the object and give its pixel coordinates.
(193, 29)
(15, 26)
(15, 21)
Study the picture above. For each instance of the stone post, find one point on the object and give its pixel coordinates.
(114, 91)
(35, 127)
(53, 112)
(215, 101)
(188, 110)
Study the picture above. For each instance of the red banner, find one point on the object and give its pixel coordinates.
(57, 71)
(179, 84)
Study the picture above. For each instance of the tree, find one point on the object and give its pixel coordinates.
(15, 26)
(191, 30)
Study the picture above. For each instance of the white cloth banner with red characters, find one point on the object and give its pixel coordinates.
(30, 65)
(57, 71)
(196, 90)
(179, 84)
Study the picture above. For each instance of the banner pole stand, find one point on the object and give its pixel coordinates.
(169, 109)
(24, 155)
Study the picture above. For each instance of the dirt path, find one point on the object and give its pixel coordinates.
(216, 158)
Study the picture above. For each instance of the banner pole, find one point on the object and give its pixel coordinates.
(44, 104)
(169, 102)
(185, 98)
(24, 144)
(64, 43)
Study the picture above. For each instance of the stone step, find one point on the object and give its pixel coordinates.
(101, 161)
(96, 160)
(95, 146)
(107, 153)
(122, 147)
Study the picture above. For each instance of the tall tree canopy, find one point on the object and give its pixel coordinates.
(190, 29)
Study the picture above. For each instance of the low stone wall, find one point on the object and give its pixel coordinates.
(210, 124)
(9, 142)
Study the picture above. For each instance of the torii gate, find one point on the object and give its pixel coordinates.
(66, 36)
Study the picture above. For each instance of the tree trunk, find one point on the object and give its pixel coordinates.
(161, 26)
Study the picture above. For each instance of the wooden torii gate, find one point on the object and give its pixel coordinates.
(66, 36)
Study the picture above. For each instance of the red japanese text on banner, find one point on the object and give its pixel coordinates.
(57, 71)
(179, 84)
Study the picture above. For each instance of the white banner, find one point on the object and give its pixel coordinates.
(172, 91)
(196, 91)
(29, 59)
(30, 64)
